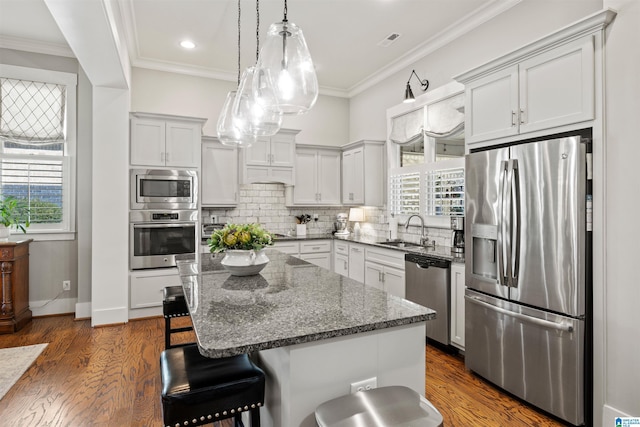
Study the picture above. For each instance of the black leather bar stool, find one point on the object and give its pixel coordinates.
(173, 305)
(198, 390)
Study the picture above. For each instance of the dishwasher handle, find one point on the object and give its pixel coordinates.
(425, 262)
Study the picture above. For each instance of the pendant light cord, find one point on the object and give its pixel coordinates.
(285, 11)
(238, 43)
(257, 30)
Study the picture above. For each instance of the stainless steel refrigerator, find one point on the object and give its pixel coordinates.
(527, 272)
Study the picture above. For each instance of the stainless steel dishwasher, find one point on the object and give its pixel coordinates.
(428, 283)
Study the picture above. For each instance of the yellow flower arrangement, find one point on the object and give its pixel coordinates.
(239, 236)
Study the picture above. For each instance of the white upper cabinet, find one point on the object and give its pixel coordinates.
(163, 140)
(219, 174)
(363, 173)
(271, 159)
(549, 85)
(317, 176)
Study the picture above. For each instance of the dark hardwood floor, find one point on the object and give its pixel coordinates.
(110, 376)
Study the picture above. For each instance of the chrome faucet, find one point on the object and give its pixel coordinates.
(424, 241)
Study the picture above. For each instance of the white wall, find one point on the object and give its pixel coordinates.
(51, 262)
(622, 292)
(168, 93)
(505, 33)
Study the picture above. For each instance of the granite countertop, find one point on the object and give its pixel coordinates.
(290, 302)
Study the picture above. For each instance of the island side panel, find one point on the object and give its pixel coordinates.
(301, 377)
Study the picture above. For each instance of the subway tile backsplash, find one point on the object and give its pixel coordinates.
(265, 204)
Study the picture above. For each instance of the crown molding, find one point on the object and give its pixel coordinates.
(27, 45)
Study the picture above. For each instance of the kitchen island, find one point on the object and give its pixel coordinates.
(313, 332)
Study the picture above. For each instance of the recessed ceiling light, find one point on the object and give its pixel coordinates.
(187, 44)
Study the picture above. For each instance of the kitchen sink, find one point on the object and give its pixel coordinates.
(400, 244)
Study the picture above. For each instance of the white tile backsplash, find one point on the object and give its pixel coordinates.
(265, 204)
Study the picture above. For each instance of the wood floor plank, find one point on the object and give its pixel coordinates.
(111, 376)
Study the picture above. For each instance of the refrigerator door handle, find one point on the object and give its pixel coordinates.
(514, 233)
(508, 224)
(533, 320)
(501, 249)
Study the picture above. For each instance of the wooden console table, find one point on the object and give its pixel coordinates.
(14, 278)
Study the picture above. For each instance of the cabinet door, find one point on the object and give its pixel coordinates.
(219, 184)
(557, 87)
(147, 142)
(457, 305)
(394, 282)
(145, 288)
(328, 164)
(341, 264)
(259, 153)
(305, 192)
(347, 177)
(282, 150)
(357, 184)
(356, 263)
(182, 144)
(373, 275)
(492, 106)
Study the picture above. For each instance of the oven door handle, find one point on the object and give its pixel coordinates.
(165, 225)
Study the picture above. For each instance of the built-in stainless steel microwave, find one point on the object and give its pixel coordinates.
(163, 189)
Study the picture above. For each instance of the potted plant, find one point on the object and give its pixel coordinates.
(13, 214)
(243, 245)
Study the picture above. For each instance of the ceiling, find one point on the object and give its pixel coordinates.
(343, 36)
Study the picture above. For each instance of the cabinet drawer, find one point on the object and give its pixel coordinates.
(387, 257)
(341, 248)
(290, 248)
(315, 246)
(145, 288)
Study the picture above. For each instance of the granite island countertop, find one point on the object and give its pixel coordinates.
(290, 302)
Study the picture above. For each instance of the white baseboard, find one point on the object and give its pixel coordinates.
(109, 316)
(609, 415)
(83, 310)
(55, 306)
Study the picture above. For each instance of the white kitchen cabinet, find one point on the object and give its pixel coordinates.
(384, 269)
(271, 159)
(388, 279)
(288, 247)
(341, 258)
(547, 86)
(317, 252)
(317, 177)
(457, 305)
(363, 173)
(219, 174)
(145, 290)
(356, 262)
(163, 140)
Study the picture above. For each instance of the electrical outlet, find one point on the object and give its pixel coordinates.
(315, 217)
(214, 219)
(66, 285)
(368, 384)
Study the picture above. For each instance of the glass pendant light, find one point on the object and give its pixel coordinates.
(255, 93)
(286, 59)
(229, 124)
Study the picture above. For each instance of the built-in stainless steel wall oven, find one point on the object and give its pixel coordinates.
(157, 236)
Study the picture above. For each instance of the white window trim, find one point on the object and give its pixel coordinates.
(70, 80)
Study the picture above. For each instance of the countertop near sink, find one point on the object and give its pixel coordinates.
(441, 252)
